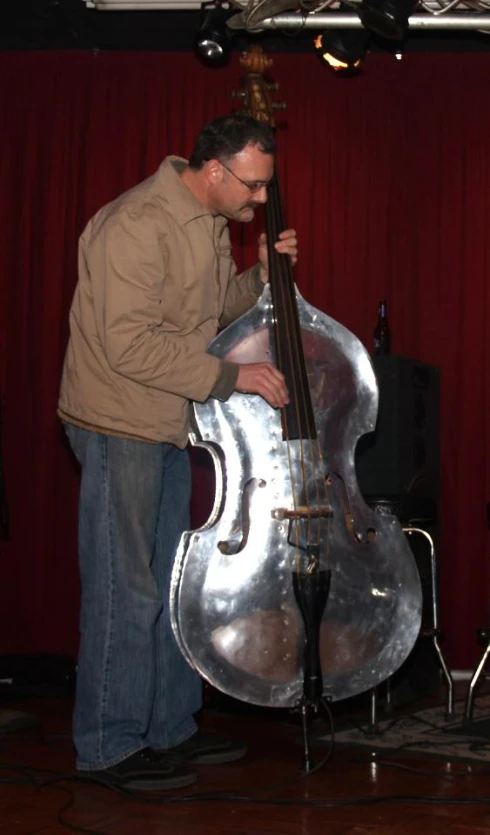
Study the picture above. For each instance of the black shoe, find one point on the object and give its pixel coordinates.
(207, 749)
(146, 770)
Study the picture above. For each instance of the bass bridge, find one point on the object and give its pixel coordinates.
(302, 512)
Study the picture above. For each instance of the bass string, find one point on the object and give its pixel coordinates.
(290, 359)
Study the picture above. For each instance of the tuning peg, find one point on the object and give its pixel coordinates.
(238, 94)
(279, 105)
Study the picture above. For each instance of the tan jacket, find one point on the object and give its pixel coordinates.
(156, 279)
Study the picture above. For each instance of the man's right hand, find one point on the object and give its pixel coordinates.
(264, 379)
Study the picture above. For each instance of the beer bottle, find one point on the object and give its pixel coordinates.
(382, 333)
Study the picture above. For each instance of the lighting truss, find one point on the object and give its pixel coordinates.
(259, 15)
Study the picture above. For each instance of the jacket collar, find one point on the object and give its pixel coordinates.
(181, 203)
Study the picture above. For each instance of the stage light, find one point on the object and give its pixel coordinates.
(212, 43)
(342, 49)
(387, 18)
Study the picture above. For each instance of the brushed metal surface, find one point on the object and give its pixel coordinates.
(233, 608)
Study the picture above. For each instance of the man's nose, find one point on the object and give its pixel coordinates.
(261, 195)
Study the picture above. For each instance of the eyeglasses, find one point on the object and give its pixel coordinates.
(253, 186)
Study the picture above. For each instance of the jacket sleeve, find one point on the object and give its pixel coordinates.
(127, 276)
(243, 289)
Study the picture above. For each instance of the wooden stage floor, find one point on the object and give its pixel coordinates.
(355, 793)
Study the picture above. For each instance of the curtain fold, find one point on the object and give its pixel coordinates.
(386, 177)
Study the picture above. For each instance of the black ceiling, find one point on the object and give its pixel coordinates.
(68, 24)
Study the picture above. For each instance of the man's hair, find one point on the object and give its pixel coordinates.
(228, 135)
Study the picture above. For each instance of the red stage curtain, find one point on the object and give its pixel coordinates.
(387, 180)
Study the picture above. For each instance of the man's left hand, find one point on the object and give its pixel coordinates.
(286, 245)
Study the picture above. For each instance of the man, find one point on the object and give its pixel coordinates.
(156, 280)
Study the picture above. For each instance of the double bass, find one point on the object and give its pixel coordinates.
(291, 555)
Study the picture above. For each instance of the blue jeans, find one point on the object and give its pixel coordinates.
(134, 687)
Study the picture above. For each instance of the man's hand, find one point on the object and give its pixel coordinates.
(287, 245)
(264, 379)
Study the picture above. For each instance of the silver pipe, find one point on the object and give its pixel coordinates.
(468, 21)
(338, 20)
(147, 6)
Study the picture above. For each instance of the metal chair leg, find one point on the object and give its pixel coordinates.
(447, 675)
(373, 727)
(388, 697)
(434, 632)
(470, 697)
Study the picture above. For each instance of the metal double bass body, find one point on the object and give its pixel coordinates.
(288, 509)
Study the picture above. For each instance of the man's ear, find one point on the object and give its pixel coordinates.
(214, 171)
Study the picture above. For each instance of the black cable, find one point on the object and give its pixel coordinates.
(23, 768)
(71, 826)
(56, 779)
(156, 798)
(39, 784)
(329, 756)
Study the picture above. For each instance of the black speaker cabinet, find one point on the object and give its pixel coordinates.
(402, 454)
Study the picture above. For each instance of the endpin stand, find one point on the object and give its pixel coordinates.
(311, 593)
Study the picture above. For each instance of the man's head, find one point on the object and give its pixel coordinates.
(232, 165)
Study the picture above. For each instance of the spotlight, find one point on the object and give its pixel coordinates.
(212, 42)
(388, 18)
(342, 49)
